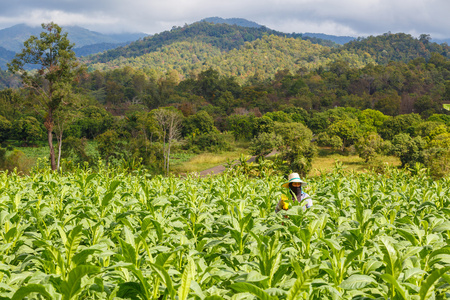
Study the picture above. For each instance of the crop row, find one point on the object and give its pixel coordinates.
(110, 236)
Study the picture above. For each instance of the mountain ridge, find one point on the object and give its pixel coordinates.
(12, 38)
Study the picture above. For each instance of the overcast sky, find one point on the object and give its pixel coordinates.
(337, 17)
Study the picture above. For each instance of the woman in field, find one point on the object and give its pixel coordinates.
(295, 191)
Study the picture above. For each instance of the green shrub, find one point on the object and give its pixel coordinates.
(264, 143)
(211, 142)
(5, 127)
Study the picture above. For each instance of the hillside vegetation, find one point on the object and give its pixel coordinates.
(262, 57)
(249, 51)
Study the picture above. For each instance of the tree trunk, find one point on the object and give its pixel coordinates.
(49, 125)
(52, 149)
(168, 157)
(59, 138)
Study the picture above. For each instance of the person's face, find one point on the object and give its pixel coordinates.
(296, 184)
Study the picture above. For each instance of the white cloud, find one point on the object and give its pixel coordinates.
(344, 17)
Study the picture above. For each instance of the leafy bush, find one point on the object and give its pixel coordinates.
(212, 142)
(16, 160)
(5, 127)
(371, 145)
(408, 149)
(264, 143)
(200, 123)
(324, 140)
(28, 130)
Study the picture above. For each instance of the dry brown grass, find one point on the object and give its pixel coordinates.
(205, 161)
(324, 164)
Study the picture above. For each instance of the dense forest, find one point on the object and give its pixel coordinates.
(245, 52)
(271, 91)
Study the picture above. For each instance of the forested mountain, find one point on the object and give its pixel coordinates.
(341, 40)
(5, 57)
(246, 52)
(232, 21)
(96, 48)
(262, 58)
(396, 47)
(222, 36)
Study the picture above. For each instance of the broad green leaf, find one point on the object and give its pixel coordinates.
(400, 290)
(442, 227)
(130, 290)
(356, 282)
(302, 283)
(72, 286)
(165, 278)
(128, 252)
(427, 285)
(408, 236)
(113, 186)
(413, 272)
(352, 256)
(253, 276)
(186, 278)
(244, 287)
(81, 257)
(24, 291)
(73, 241)
(106, 199)
(197, 289)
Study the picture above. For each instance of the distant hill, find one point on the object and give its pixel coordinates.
(96, 48)
(233, 21)
(341, 40)
(249, 51)
(12, 38)
(5, 57)
(441, 41)
(262, 58)
(222, 36)
(399, 47)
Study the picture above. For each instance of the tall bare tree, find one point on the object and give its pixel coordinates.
(51, 83)
(169, 121)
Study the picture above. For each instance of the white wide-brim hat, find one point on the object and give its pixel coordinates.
(293, 177)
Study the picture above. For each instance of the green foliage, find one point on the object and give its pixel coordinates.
(95, 120)
(28, 130)
(50, 86)
(242, 126)
(5, 127)
(399, 124)
(408, 149)
(109, 145)
(75, 150)
(16, 161)
(264, 143)
(296, 149)
(11, 103)
(348, 130)
(208, 142)
(200, 123)
(325, 140)
(395, 47)
(369, 146)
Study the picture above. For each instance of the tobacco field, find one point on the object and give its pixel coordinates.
(112, 235)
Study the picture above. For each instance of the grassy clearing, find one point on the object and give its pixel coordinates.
(324, 164)
(200, 162)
